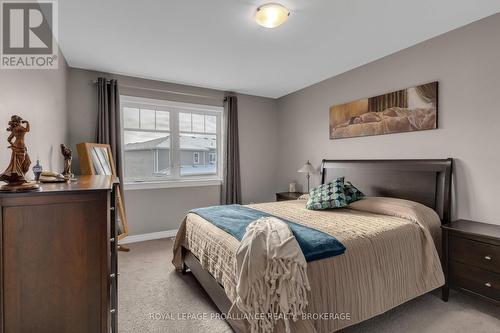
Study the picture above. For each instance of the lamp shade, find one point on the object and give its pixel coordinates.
(306, 168)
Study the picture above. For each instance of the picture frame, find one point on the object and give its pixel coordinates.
(406, 110)
(97, 159)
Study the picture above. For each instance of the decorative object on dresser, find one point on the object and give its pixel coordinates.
(58, 258)
(283, 196)
(37, 170)
(471, 255)
(68, 157)
(20, 162)
(97, 159)
(309, 169)
(406, 110)
(292, 187)
(51, 177)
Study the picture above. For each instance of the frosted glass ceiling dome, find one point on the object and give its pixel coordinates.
(271, 15)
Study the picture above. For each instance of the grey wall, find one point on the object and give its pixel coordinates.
(38, 96)
(163, 209)
(258, 122)
(466, 62)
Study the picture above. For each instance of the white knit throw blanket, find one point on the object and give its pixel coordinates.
(272, 275)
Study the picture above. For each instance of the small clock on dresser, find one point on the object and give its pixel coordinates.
(471, 256)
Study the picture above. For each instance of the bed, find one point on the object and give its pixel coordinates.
(392, 241)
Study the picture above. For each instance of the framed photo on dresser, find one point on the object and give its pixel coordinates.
(97, 159)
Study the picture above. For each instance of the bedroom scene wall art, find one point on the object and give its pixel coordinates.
(407, 110)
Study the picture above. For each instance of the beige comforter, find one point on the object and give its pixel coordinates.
(390, 258)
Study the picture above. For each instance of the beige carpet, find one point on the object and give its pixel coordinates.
(153, 298)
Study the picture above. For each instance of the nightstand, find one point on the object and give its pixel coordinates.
(283, 196)
(471, 256)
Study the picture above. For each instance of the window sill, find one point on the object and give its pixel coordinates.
(171, 184)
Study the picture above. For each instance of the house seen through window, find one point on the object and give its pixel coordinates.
(165, 141)
(196, 158)
(211, 158)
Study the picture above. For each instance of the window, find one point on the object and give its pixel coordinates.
(170, 142)
(211, 158)
(198, 139)
(196, 158)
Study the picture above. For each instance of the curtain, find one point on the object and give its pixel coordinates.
(231, 186)
(386, 101)
(108, 123)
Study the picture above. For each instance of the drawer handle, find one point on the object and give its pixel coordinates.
(112, 275)
(488, 284)
(487, 258)
(111, 240)
(112, 311)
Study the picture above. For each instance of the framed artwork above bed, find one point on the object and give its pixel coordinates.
(406, 110)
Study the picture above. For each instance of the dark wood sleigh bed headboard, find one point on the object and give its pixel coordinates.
(427, 181)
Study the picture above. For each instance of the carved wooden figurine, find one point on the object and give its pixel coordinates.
(20, 162)
(68, 156)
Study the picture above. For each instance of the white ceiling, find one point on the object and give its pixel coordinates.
(217, 44)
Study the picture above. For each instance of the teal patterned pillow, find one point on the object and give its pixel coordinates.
(327, 196)
(352, 193)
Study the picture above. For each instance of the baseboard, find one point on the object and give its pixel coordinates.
(150, 236)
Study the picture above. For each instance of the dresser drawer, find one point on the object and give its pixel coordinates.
(474, 253)
(475, 279)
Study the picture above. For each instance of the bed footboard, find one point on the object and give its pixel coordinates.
(214, 290)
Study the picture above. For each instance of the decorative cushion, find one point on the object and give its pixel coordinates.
(327, 196)
(352, 194)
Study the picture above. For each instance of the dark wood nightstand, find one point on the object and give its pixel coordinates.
(471, 256)
(283, 196)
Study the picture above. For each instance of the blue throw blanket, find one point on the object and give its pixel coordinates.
(234, 220)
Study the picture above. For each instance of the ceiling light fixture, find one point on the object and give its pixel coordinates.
(271, 15)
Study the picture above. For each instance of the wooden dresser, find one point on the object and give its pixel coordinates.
(58, 262)
(472, 258)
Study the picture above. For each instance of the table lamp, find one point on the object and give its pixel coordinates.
(307, 168)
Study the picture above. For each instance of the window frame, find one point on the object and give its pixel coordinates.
(175, 179)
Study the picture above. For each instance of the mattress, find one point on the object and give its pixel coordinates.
(391, 257)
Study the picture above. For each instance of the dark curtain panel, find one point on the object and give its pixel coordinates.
(108, 123)
(428, 92)
(384, 102)
(231, 186)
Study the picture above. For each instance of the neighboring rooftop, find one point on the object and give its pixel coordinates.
(186, 143)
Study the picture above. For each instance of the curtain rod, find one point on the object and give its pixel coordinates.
(165, 91)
